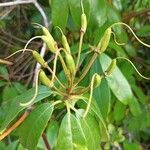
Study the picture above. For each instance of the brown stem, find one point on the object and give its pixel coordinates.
(46, 142)
(132, 14)
(14, 126)
(87, 68)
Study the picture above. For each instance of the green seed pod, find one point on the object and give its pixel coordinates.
(70, 63)
(65, 43)
(83, 22)
(39, 58)
(102, 45)
(111, 67)
(44, 79)
(97, 80)
(47, 33)
(50, 43)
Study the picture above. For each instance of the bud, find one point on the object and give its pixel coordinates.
(102, 45)
(44, 79)
(111, 67)
(97, 80)
(83, 22)
(65, 43)
(70, 63)
(50, 43)
(39, 58)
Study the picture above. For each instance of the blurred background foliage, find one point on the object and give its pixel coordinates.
(16, 29)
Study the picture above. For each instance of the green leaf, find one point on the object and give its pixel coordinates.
(75, 9)
(60, 12)
(144, 31)
(12, 145)
(11, 91)
(71, 136)
(98, 15)
(131, 146)
(94, 109)
(52, 132)
(13, 108)
(119, 111)
(33, 127)
(102, 99)
(4, 72)
(91, 131)
(117, 82)
(134, 106)
(2, 83)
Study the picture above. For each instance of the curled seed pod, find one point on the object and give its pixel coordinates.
(65, 43)
(50, 43)
(111, 67)
(44, 79)
(70, 63)
(83, 22)
(39, 58)
(102, 45)
(97, 80)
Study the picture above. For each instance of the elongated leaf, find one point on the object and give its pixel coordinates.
(13, 108)
(60, 13)
(52, 132)
(117, 82)
(131, 146)
(91, 130)
(33, 127)
(71, 135)
(119, 111)
(134, 107)
(98, 14)
(101, 93)
(75, 9)
(95, 110)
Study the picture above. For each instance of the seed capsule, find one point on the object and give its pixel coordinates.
(47, 33)
(83, 22)
(97, 80)
(111, 67)
(50, 43)
(102, 45)
(70, 63)
(39, 58)
(65, 43)
(44, 79)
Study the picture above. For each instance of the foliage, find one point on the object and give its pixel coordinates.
(114, 114)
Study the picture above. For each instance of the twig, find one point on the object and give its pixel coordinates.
(14, 126)
(46, 141)
(5, 4)
(45, 22)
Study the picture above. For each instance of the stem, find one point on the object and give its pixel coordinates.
(21, 50)
(55, 64)
(16, 3)
(14, 126)
(90, 98)
(64, 67)
(87, 68)
(121, 23)
(50, 70)
(134, 67)
(35, 94)
(80, 48)
(46, 142)
(5, 62)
